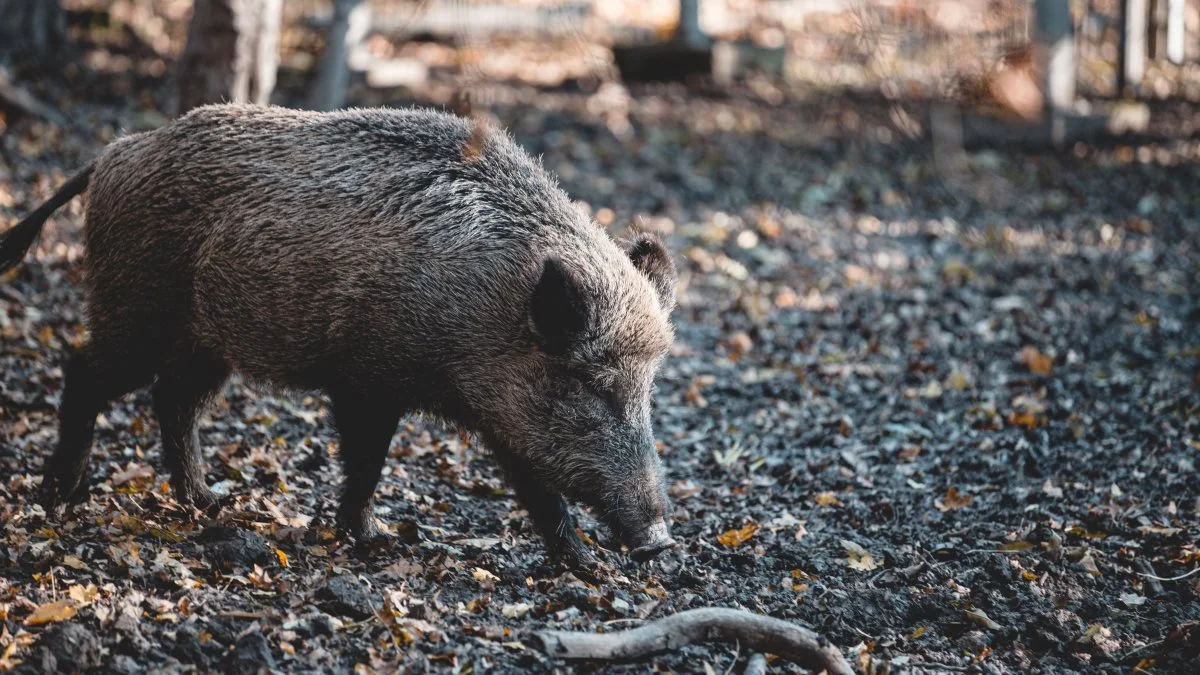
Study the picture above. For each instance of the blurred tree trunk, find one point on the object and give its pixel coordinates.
(32, 32)
(231, 53)
(351, 22)
(688, 30)
(32, 29)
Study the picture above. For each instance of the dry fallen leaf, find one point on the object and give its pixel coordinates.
(1132, 599)
(1016, 546)
(683, 489)
(83, 595)
(1037, 362)
(732, 538)
(952, 500)
(133, 473)
(957, 381)
(827, 499)
(1096, 633)
(859, 558)
(1025, 419)
(1089, 565)
(738, 344)
(481, 575)
(59, 610)
(515, 611)
(977, 616)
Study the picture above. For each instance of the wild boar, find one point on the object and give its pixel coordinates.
(396, 260)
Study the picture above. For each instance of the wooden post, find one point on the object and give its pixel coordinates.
(688, 31)
(1175, 30)
(1131, 57)
(1054, 36)
(351, 22)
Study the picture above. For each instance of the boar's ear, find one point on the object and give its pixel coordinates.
(652, 259)
(558, 311)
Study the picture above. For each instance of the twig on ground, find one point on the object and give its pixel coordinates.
(940, 666)
(237, 614)
(1155, 578)
(758, 633)
(1139, 648)
(757, 665)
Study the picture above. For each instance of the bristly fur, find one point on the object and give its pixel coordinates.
(388, 258)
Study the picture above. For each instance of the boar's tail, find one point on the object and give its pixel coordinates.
(17, 240)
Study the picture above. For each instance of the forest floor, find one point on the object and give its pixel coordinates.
(941, 408)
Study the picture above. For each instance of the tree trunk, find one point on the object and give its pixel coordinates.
(231, 53)
(34, 30)
(688, 30)
(351, 22)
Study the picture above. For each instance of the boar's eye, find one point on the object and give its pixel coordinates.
(582, 383)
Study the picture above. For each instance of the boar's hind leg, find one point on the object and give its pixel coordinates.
(183, 390)
(365, 425)
(93, 376)
(550, 514)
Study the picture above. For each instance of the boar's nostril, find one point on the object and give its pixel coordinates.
(651, 541)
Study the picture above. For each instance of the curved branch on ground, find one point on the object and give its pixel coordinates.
(757, 633)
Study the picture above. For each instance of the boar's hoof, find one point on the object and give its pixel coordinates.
(650, 542)
(56, 492)
(201, 498)
(575, 557)
(365, 530)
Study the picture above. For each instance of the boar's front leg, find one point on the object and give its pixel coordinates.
(182, 391)
(549, 512)
(366, 425)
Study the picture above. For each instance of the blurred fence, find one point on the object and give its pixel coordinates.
(908, 48)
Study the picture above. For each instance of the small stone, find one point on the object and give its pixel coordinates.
(188, 650)
(249, 656)
(323, 624)
(345, 595)
(70, 648)
(232, 548)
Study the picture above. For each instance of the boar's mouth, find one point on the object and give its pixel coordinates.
(650, 541)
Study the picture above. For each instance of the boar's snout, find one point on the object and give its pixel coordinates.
(650, 541)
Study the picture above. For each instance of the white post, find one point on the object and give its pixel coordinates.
(1175, 30)
(1131, 65)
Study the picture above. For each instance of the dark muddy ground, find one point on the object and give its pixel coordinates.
(944, 413)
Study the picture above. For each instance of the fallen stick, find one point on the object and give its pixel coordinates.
(1153, 581)
(758, 633)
